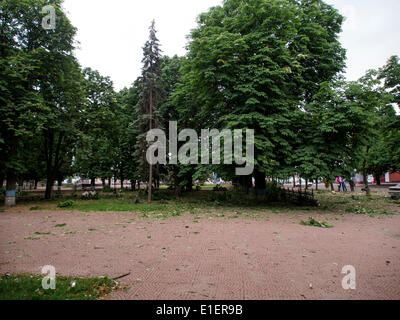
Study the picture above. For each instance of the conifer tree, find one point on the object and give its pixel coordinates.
(151, 95)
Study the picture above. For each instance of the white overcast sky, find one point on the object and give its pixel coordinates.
(112, 32)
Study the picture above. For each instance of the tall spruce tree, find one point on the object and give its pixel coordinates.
(151, 95)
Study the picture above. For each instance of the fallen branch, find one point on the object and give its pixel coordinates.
(123, 276)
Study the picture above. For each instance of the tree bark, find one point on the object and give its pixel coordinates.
(246, 182)
(316, 184)
(59, 183)
(49, 187)
(378, 179)
(260, 185)
(11, 185)
(189, 185)
(150, 165)
(52, 167)
(20, 184)
(365, 173)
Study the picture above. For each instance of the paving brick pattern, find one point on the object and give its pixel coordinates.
(218, 258)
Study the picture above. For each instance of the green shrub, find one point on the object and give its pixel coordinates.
(65, 204)
(161, 195)
(107, 189)
(273, 192)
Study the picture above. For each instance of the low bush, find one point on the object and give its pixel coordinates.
(65, 204)
(161, 195)
(107, 189)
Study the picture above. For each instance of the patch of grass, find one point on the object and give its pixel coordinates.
(29, 287)
(314, 223)
(368, 211)
(42, 233)
(117, 205)
(35, 208)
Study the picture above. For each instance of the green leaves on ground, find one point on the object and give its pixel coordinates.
(314, 223)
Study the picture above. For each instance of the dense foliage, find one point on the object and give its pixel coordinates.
(274, 66)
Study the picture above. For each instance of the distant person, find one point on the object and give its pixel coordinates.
(352, 185)
(339, 182)
(344, 187)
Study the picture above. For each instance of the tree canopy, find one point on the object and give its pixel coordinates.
(274, 66)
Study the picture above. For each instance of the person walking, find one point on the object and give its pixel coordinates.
(339, 182)
(344, 187)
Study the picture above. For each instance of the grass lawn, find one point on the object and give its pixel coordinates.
(205, 203)
(29, 287)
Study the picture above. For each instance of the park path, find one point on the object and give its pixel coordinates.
(218, 258)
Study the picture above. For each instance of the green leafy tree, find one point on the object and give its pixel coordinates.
(253, 65)
(98, 123)
(36, 68)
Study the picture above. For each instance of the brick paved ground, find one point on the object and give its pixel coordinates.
(219, 258)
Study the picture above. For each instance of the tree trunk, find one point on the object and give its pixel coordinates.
(316, 184)
(109, 182)
(133, 185)
(306, 184)
(189, 185)
(246, 182)
(10, 199)
(365, 173)
(366, 185)
(103, 182)
(260, 185)
(151, 166)
(332, 187)
(36, 184)
(20, 184)
(53, 163)
(378, 179)
(49, 187)
(294, 181)
(59, 183)
(1, 181)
